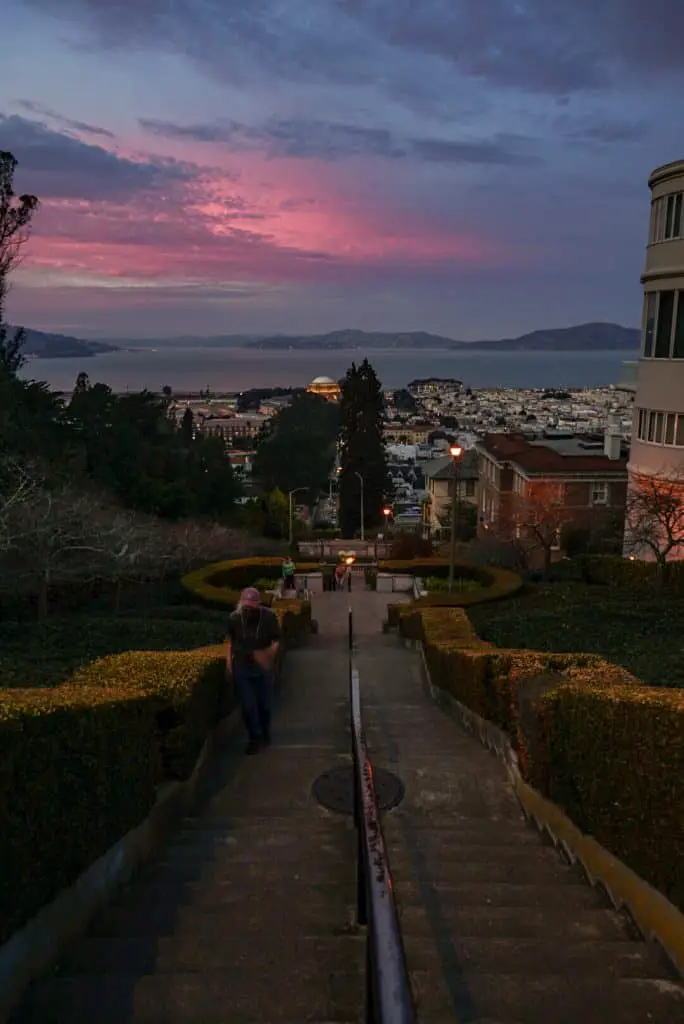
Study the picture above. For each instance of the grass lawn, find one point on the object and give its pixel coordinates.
(46, 653)
(632, 628)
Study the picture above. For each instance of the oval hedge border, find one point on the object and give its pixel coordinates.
(495, 584)
(222, 582)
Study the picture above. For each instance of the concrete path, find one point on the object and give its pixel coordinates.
(246, 915)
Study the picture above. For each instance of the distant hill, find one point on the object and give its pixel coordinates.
(584, 337)
(41, 345)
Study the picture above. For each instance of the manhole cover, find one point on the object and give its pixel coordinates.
(334, 789)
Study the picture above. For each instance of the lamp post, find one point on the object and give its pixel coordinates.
(295, 490)
(363, 537)
(456, 452)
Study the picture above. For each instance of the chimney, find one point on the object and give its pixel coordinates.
(612, 444)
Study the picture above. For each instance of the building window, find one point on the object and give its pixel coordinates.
(664, 428)
(678, 339)
(666, 218)
(470, 488)
(599, 493)
(663, 332)
(650, 303)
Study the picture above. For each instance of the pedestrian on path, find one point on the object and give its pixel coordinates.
(340, 575)
(288, 570)
(251, 647)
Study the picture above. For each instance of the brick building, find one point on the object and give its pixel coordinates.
(534, 490)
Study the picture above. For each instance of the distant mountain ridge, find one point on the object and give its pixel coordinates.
(42, 345)
(581, 338)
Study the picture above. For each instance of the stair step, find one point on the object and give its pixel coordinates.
(549, 922)
(512, 955)
(457, 872)
(487, 894)
(448, 831)
(244, 874)
(535, 998)
(210, 998)
(248, 916)
(260, 953)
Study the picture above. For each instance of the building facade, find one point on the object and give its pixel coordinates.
(657, 451)
(540, 489)
(439, 484)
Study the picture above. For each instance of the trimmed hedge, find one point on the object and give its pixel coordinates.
(614, 760)
(615, 571)
(495, 584)
(82, 763)
(222, 582)
(588, 734)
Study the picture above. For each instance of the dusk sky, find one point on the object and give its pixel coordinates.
(475, 168)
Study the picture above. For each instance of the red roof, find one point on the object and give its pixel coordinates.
(540, 460)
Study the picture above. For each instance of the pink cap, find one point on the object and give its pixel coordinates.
(250, 597)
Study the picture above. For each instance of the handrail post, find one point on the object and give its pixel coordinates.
(351, 632)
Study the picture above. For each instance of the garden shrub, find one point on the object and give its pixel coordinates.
(80, 766)
(82, 762)
(615, 571)
(614, 760)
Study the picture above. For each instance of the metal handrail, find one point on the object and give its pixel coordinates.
(388, 991)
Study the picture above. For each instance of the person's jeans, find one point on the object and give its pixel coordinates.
(254, 691)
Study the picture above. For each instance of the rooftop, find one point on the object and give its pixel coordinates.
(577, 454)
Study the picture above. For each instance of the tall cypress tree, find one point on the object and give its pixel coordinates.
(362, 450)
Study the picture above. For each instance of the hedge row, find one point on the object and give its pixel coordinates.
(615, 571)
(222, 582)
(82, 762)
(496, 584)
(589, 735)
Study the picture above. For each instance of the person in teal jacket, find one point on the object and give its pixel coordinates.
(288, 574)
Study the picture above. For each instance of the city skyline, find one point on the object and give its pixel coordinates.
(212, 168)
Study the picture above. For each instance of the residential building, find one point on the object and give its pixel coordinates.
(557, 482)
(439, 483)
(658, 427)
(407, 433)
(232, 426)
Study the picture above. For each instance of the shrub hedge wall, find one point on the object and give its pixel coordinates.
(222, 582)
(589, 735)
(82, 763)
(615, 571)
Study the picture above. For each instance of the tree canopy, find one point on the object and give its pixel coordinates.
(300, 450)
(363, 459)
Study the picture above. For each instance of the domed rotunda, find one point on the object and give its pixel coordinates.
(326, 387)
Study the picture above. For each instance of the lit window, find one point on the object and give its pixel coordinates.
(599, 493)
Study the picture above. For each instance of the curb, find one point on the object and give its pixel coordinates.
(34, 949)
(658, 920)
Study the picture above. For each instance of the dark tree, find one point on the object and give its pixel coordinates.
(16, 214)
(362, 451)
(300, 450)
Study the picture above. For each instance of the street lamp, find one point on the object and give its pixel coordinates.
(455, 451)
(361, 479)
(295, 490)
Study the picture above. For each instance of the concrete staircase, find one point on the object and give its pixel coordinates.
(247, 915)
